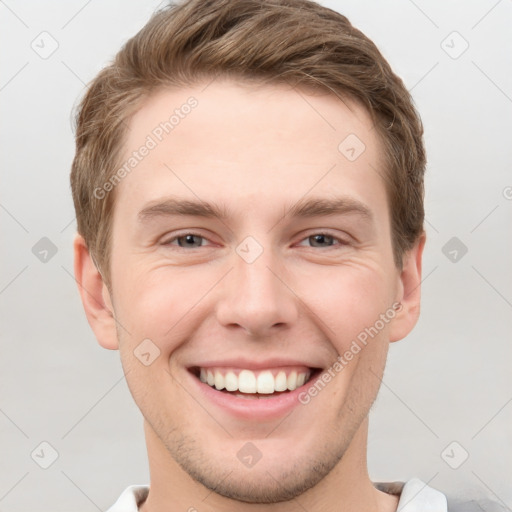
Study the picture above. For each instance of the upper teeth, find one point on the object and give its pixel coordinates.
(248, 381)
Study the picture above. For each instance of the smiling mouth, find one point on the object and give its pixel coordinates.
(244, 383)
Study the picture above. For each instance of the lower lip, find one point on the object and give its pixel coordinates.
(252, 408)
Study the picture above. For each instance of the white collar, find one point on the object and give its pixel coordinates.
(415, 496)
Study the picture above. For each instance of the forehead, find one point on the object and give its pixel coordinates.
(230, 140)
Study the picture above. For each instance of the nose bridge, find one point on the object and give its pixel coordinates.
(256, 298)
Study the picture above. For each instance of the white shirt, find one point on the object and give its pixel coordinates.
(415, 496)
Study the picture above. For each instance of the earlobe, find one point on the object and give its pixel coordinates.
(410, 292)
(95, 296)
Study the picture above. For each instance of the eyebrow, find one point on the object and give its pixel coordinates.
(316, 207)
(304, 208)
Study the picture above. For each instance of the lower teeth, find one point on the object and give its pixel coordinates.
(253, 396)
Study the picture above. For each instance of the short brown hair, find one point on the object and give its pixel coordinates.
(297, 42)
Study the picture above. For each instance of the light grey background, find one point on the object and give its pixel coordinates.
(449, 381)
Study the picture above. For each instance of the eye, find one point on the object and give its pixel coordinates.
(187, 240)
(324, 240)
(194, 241)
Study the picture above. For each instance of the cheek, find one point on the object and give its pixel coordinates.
(156, 390)
(348, 300)
(145, 297)
(160, 305)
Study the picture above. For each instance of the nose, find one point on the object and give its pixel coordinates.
(257, 298)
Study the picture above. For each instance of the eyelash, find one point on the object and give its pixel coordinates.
(341, 242)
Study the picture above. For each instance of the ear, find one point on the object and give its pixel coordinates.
(409, 292)
(95, 296)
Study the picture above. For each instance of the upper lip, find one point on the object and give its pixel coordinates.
(251, 364)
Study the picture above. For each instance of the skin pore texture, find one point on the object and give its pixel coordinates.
(255, 153)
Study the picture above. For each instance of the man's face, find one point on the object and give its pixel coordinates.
(273, 286)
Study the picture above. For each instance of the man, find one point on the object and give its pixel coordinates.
(248, 183)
